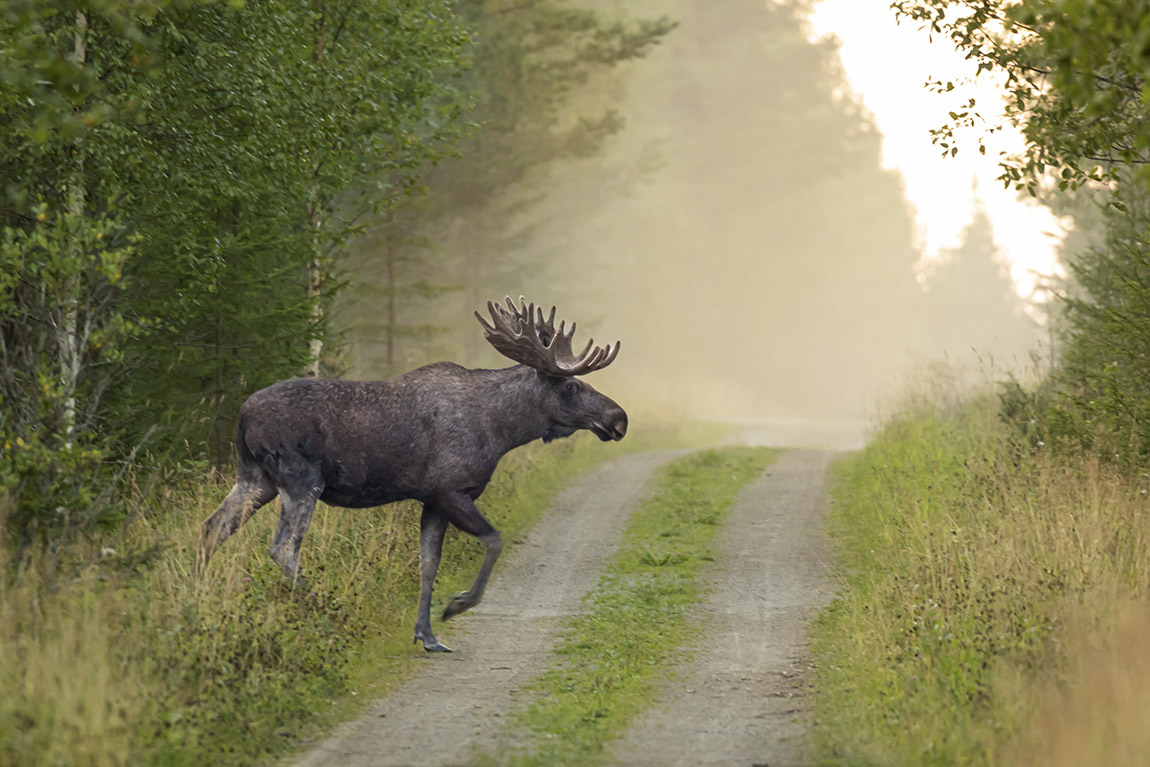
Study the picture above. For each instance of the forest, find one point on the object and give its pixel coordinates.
(202, 197)
(185, 184)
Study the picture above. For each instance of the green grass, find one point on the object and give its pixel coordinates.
(983, 583)
(636, 619)
(113, 654)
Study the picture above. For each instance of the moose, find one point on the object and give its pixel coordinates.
(434, 435)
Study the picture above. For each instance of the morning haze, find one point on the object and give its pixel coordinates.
(738, 235)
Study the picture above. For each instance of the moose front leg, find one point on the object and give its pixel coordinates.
(463, 514)
(432, 526)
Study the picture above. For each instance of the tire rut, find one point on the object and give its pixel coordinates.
(742, 697)
(453, 706)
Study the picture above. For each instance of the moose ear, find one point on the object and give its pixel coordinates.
(548, 377)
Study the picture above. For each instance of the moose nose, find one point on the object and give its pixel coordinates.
(619, 426)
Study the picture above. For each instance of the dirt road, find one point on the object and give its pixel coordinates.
(739, 700)
(742, 697)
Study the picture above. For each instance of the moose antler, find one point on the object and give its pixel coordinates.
(522, 333)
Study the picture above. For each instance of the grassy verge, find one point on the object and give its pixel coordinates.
(636, 618)
(985, 612)
(111, 653)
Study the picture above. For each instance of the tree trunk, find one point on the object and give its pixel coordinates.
(316, 275)
(391, 291)
(317, 267)
(68, 332)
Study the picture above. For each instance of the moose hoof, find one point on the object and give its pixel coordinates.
(433, 645)
(458, 604)
(299, 584)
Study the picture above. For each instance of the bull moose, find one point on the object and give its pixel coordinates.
(434, 435)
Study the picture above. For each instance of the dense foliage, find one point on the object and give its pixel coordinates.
(1076, 74)
(177, 177)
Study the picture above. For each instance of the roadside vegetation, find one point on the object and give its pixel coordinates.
(993, 547)
(988, 614)
(636, 619)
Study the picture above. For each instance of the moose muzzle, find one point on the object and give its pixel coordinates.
(616, 422)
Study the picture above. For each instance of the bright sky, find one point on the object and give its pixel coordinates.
(886, 66)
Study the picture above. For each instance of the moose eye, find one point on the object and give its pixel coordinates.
(569, 387)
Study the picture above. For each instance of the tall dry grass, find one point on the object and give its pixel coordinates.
(1096, 709)
(987, 589)
(112, 653)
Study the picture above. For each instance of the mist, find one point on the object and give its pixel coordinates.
(738, 235)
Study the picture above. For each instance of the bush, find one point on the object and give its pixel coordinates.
(1104, 381)
(58, 282)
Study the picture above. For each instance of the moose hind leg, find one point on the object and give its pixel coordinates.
(462, 513)
(432, 526)
(244, 499)
(295, 517)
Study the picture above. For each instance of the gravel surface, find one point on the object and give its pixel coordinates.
(742, 697)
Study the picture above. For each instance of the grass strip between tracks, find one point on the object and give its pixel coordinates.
(636, 619)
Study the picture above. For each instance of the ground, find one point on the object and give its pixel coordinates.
(741, 697)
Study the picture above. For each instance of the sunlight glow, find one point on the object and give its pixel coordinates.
(886, 66)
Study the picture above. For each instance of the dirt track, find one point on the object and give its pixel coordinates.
(742, 697)
(740, 700)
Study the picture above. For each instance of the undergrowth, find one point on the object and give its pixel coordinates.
(635, 620)
(984, 611)
(111, 653)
